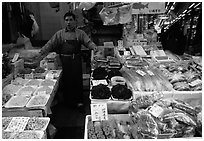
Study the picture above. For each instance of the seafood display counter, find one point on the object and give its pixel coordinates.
(30, 97)
(151, 117)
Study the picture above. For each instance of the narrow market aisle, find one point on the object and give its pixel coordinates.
(70, 122)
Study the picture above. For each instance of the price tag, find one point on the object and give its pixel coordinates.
(97, 82)
(141, 72)
(195, 82)
(156, 110)
(49, 76)
(15, 58)
(28, 76)
(41, 92)
(17, 124)
(150, 72)
(139, 50)
(99, 111)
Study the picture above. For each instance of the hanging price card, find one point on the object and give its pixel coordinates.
(99, 111)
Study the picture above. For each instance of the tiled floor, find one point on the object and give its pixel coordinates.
(69, 122)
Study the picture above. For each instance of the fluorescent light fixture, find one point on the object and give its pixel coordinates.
(184, 11)
(191, 5)
(196, 5)
(189, 11)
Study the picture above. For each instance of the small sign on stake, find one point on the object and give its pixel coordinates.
(99, 111)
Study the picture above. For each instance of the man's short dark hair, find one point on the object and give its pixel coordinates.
(69, 14)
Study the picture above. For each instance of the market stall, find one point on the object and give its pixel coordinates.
(27, 98)
(139, 71)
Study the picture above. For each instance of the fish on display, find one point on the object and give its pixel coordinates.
(140, 6)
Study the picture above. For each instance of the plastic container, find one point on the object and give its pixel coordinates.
(38, 101)
(17, 102)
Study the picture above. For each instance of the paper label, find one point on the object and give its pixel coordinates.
(155, 53)
(141, 72)
(17, 124)
(28, 76)
(139, 50)
(150, 72)
(156, 110)
(49, 76)
(99, 111)
(97, 82)
(195, 82)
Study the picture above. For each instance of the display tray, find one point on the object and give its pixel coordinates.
(48, 82)
(11, 89)
(34, 82)
(56, 73)
(28, 135)
(44, 90)
(37, 123)
(17, 124)
(38, 101)
(126, 122)
(116, 99)
(5, 122)
(19, 81)
(26, 91)
(124, 117)
(17, 102)
(182, 95)
(7, 135)
(93, 99)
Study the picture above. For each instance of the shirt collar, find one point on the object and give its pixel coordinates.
(70, 30)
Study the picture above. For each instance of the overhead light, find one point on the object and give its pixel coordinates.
(184, 11)
(189, 11)
(197, 5)
(191, 5)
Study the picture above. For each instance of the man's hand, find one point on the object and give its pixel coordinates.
(97, 55)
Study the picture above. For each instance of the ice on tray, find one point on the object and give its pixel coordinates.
(44, 90)
(17, 101)
(26, 91)
(37, 123)
(38, 100)
(48, 82)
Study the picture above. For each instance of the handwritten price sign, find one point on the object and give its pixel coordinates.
(99, 111)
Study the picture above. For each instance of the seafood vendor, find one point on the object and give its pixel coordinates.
(67, 43)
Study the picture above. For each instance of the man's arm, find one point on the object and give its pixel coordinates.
(96, 53)
(87, 41)
(51, 45)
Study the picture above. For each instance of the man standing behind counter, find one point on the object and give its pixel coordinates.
(67, 43)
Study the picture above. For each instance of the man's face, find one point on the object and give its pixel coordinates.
(70, 22)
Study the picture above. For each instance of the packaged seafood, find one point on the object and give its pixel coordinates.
(48, 82)
(17, 101)
(26, 91)
(37, 123)
(44, 90)
(17, 124)
(38, 101)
